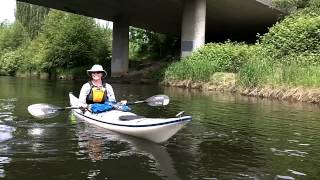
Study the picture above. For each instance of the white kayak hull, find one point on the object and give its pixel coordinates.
(154, 129)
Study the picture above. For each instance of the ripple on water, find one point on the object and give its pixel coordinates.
(3, 160)
(288, 152)
(7, 106)
(6, 114)
(284, 177)
(6, 132)
(6, 109)
(296, 172)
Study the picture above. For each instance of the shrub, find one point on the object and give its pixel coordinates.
(263, 69)
(297, 34)
(12, 36)
(211, 58)
(72, 41)
(10, 62)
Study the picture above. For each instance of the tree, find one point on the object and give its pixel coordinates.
(12, 36)
(72, 41)
(147, 44)
(31, 17)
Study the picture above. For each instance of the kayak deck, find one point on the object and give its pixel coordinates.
(153, 129)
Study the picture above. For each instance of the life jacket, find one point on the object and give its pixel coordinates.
(97, 94)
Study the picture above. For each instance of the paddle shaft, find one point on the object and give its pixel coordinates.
(136, 102)
(42, 110)
(66, 108)
(128, 103)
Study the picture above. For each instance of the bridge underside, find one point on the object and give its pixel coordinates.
(192, 20)
(232, 18)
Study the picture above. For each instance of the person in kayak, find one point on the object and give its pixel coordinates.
(99, 94)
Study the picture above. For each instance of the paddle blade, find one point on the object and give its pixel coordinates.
(43, 110)
(158, 100)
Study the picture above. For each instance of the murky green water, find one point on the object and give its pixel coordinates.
(230, 137)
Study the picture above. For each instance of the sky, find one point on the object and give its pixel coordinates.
(7, 8)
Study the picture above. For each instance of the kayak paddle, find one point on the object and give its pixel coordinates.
(43, 110)
(46, 110)
(156, 100)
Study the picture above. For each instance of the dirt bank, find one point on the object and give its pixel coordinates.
(226, 82)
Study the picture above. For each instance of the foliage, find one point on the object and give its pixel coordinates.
(10, 62)
(65, 41)
(34, 56)
(147, 44)
(259, 69)
(299, 33)
(72, 40)
(31, 17)
(290, 53)
(218, 57)
(290, 5)
(103, 43)
(12, 36)
(263, 71)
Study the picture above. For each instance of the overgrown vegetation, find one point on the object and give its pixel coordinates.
(289, 54)
(56, 42)
(291, 6)
(149, 45)
(63, 42)
(31, 17)
(221, 57)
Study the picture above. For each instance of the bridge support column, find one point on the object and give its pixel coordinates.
(193, 26)
(120, 47)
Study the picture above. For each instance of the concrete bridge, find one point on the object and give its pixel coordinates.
(195, 21)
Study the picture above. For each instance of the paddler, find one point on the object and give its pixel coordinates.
(96, 91)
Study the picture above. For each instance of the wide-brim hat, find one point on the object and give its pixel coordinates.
(96, 68)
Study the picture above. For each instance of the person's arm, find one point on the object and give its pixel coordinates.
(85, 90)
(110, 93)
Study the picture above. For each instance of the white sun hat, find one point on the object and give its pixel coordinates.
(96, 68)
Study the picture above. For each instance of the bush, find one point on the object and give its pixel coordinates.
(291, 6)
(263, 69)
(211, 58)
(297, 34)
(10, 62)
(73, 41)
(145, 44)
(12, 36)
(34, 53)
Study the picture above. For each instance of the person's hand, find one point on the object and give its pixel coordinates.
(123, 102)
(83, 106)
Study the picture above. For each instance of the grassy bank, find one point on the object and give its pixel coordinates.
(286, 57)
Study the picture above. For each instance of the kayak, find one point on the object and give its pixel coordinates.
(153, 129)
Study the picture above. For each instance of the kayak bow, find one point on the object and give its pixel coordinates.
(154, 129)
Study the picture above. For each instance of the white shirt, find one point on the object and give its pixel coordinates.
(86, 88)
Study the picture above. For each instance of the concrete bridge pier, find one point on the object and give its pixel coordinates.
(120, 47)
(193, 26)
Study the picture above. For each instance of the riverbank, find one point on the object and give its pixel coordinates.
(222, 82)
(226, 82)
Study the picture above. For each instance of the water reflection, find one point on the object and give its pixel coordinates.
(99, 144)
(230, 137)
(6, 131)
(237, 136)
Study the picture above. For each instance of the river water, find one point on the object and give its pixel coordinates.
(230, 137)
